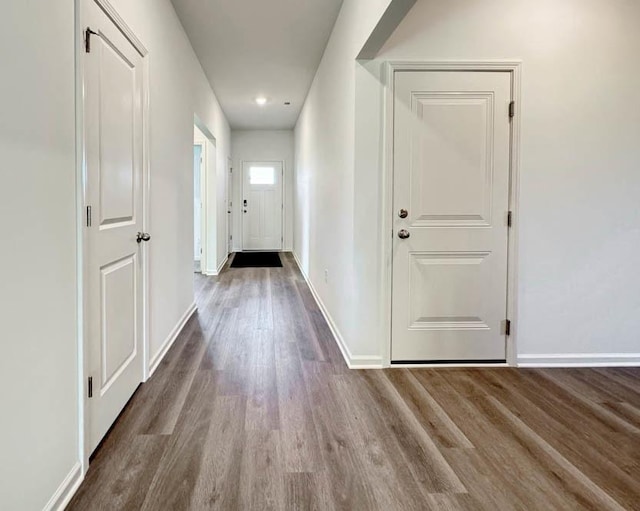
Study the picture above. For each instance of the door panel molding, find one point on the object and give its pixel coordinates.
(513, 67)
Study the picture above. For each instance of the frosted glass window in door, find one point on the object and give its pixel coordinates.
(262, 175)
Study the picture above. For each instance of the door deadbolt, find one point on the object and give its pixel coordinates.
(403, 234)
(403, 213)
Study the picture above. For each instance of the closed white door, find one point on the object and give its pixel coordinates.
(262, 206)
(113, 155)
(451, 198)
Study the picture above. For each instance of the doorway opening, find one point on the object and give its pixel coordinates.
(209, 204)
(198, 174)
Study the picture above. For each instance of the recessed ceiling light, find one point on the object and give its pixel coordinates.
(261, 100)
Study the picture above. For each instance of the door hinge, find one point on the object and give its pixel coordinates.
(88, 216)
(512, 109)
(87, 39)
(509, 219)
(90, 386)
(507, 327)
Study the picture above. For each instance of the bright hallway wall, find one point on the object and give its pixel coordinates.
(324, 179)
(39, 433)
(262, 145)
(579, 224)
(38, 366)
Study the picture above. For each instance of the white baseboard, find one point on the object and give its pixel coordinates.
(217, 271)
(580, 360)
(171, 338)
(66, 490)
(353, 361)
(221, 265)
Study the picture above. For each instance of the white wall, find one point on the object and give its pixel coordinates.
(38, 366)
(325, 234)
(178, 90)
(39, 432)
(262, 145)
(579, 216)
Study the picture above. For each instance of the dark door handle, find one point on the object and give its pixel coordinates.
(403, 234)
(143, 236)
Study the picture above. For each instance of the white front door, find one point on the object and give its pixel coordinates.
(113, 98)
(451, 198)
(262, 206)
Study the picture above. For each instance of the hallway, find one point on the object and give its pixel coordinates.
(254, 408)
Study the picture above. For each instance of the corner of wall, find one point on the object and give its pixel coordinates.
(352, 361)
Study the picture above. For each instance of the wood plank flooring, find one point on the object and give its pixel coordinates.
(254, 408)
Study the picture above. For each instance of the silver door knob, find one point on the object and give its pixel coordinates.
(403, 234)
(143, 236)
(403, 213)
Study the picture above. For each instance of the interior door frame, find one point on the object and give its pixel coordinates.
(514, 67)
(81, 237)
(229, 204)
(283, 209)
(204, 210)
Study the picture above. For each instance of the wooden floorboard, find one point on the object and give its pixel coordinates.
(254, 408)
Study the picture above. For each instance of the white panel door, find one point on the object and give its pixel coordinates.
(262, 206)
(451, 180)
(113, 96)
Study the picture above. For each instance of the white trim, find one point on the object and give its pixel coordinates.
(171, 338)
(386, 183)
(353, 361)
(229, 199)
(110, 11)
(218, 269)
(80, 240)
(438, 366)
(580, 360)
(204, 209)
(66, 490)
(221, 265)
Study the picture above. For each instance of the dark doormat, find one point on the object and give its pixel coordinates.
(256, 260)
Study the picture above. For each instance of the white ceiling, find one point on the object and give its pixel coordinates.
(250, 48)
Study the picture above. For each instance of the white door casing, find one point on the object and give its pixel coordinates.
(198, 213)
(229, 206)
(451, 162)
(113, 153)
(262, 205)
